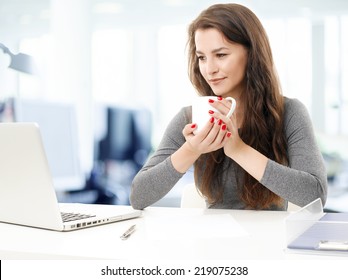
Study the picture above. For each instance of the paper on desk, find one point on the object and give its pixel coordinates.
(193, 227)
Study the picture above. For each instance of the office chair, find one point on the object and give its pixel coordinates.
(191, 197)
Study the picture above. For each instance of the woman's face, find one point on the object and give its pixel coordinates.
(221, 62)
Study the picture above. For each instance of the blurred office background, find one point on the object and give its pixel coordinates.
(112, 73)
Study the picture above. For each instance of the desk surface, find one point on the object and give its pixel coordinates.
(265, 239)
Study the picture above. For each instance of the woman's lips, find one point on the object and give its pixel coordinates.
(216, 81)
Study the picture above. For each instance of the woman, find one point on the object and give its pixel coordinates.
(261, 157)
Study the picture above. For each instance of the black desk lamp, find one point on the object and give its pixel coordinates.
(20, 62)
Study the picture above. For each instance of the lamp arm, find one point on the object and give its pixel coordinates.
(5, 49)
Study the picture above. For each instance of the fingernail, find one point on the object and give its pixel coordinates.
(223, 127)
(193, 126)
(212, 119)
(211, 101)
(228, 134)
(219, 98)
(211, 112)
(219, 122)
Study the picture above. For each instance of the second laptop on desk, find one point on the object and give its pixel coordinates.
(27, 194)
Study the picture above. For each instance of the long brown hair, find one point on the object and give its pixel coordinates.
(262, 126)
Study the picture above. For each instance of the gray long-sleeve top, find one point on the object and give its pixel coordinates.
(303, 181)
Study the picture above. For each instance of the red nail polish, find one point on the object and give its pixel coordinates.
(219, 122)
(219, 98)
(211, 112)
(228, 134)
(211, 101)
(193, 126)
(223, 127)
(212, 119)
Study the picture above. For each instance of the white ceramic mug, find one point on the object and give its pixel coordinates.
(201, 107)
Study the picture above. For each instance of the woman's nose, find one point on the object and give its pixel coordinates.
(211, 67)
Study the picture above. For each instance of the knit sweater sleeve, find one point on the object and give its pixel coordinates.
(305, 179)
(158, 176)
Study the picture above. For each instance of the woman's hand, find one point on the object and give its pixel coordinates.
(247, 157)
(211, 137)
(216, 134)
(232, 135)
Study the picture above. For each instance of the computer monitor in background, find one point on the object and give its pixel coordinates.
(58, 126)
(118, 141)
(128, 135)
(142, 119)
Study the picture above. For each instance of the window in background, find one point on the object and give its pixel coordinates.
(44, 85)
(332, 74)
(35, 86)
(290, 40)
(336, 66)
(175, 88)
(344, 71)
(112, 65)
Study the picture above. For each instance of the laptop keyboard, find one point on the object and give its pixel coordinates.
(68, 217)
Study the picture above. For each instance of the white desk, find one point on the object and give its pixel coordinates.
(265, 240)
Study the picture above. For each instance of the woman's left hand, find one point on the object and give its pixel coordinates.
(234, 140)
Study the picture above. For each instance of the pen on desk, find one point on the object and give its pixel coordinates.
(128, 233)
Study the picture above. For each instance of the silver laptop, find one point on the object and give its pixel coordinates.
(27, 194)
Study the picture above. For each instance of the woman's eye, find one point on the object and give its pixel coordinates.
(201, 57)
(221, 54)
